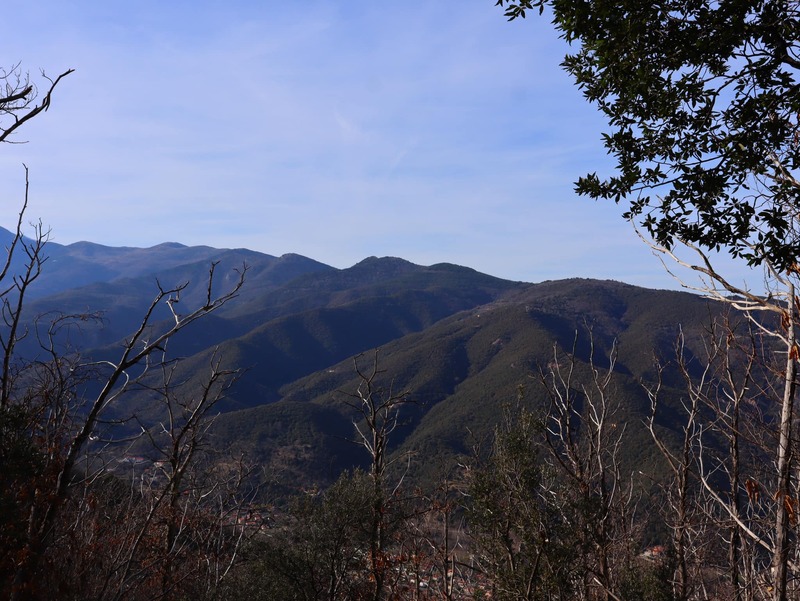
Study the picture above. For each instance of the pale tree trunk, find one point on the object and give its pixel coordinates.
(780, 557)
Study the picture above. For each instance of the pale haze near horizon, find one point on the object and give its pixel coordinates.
(434, 131)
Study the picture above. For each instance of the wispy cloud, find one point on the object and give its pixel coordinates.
(337, 129)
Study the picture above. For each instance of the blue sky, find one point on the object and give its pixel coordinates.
(432, 130)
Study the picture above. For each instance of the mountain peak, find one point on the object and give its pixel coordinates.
(372, 260)
(167, 245)
(382, 267)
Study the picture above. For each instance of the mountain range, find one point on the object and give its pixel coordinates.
(460, 343)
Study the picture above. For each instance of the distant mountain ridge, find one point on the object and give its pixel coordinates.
(83, 263)
(461, 342)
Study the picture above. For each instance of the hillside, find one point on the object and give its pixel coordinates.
(460, 371)
(461, 343)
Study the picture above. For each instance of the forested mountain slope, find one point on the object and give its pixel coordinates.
(461, 343)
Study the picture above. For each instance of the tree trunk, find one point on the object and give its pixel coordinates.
(780, 557)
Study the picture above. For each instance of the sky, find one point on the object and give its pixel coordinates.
(432, 130)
